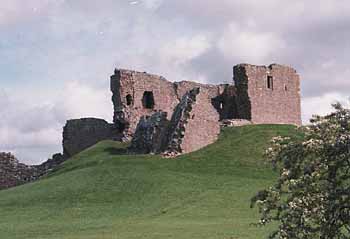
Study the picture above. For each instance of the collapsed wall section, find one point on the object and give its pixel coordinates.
(13, 173)
(151, 134)
(137, 94)
(79, 134)
(194, 123)
(268, 95)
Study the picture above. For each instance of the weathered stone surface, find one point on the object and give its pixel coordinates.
(131, 89)
(80, 134)
(225, 102)
(13, 173)
(194, 124)
(132, 95)
(260, 95)
(136, 94)
(268, 95)
(51, 163)
(151, 134)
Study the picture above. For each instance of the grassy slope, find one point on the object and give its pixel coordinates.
(100, 194)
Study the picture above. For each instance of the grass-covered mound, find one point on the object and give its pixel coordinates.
(102, 194)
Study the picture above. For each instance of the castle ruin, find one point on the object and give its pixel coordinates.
(258, 94)
(171, 118)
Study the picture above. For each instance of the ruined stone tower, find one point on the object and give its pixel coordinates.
(260, 94)
(268, 95)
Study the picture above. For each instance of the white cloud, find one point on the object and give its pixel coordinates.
(14, 11)
(34, 127)
(183, 49)
(153, 4)
(74, 45)
(249, 46)
(321, 105)
(79, 100)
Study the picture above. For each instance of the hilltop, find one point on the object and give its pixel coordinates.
(101, 193)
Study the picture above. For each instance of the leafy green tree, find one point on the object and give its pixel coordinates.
(311, 198)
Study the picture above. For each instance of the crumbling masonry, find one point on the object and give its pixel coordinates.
(259, 95)
(167, 118)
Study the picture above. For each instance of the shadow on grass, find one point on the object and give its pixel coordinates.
(117, 151)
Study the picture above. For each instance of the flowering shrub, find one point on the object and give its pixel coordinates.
(311, 198)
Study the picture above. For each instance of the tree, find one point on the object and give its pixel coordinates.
(311, 198)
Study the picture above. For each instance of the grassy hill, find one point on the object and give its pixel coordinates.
(100, 194)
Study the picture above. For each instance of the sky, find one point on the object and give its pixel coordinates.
(56, 56)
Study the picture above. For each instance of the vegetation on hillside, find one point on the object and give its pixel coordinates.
(311, 198)
(102, 193)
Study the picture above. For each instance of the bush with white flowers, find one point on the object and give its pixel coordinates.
(311, 198)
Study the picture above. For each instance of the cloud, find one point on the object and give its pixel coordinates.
(183, 49)
(249, 46)
(322, 105)
(17, 11)
(57, 55)
(79, 100)
(32, 128)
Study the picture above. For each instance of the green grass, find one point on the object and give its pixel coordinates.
(100, 194)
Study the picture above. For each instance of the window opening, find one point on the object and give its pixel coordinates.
(129, 99)
(270, 82)
(148, 100)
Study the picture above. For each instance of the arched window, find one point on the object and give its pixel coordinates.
(148, 100)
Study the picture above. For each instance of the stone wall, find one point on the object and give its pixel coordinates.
(225, 102)
(268, 95)
(51, 163)
(131, 89)
(13, 173)
(194, 125)
(79, 134)
(151, 134)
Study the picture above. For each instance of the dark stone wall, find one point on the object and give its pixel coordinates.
(151, 134)
(243, 104)
(51, 163)
(225, 102)
(276, 102)
(13, 173)
(79, 134)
